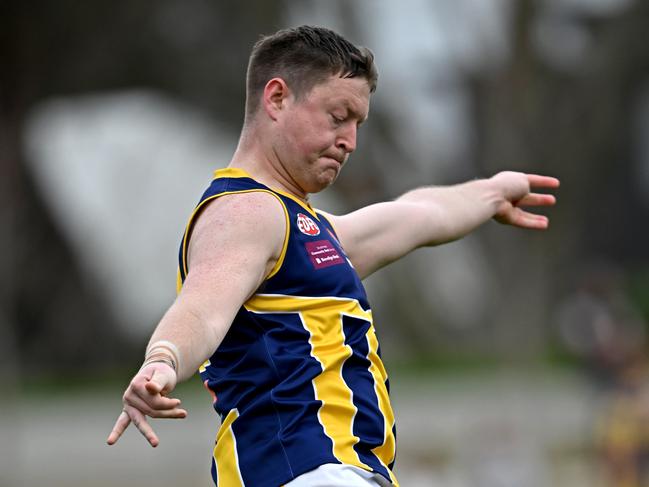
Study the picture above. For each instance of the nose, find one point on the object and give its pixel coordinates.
(347, 138)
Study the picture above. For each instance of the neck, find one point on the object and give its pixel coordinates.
(263, 164)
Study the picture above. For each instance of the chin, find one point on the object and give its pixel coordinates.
(322, 184)
(328, 179)
(323, 178)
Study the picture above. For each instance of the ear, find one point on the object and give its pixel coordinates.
(274, 97)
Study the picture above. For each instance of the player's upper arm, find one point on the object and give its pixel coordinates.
(234, 245)
(381, 233)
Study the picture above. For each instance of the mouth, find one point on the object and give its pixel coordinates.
(338, 160)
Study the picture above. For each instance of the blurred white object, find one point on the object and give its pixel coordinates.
(121, 173)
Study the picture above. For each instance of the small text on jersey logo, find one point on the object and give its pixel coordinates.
(307, 225)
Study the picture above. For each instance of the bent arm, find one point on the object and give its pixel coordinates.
(379, 234)
(231, 251)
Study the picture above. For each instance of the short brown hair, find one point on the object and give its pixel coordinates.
(303, 57)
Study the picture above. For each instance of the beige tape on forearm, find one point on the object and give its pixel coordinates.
(164, 358)
(157, 351)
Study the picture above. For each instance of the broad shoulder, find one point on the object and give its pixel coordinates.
(254, 219)
(239, 208)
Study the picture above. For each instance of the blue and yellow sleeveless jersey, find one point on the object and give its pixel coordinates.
(298, 379)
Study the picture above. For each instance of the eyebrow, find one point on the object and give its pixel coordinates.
(355, 114)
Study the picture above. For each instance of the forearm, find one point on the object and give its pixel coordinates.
(195, 337)
(381, 233)
(451, 212)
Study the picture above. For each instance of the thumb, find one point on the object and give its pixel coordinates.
(157, 383)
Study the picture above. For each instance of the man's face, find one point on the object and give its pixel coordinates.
(318, 132)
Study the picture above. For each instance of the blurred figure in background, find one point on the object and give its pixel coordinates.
(623, 427)
(600, 325)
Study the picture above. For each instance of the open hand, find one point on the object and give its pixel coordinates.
(146, 396)
(517, 193)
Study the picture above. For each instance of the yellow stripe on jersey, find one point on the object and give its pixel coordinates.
(205, 365)
(235, 172)
(225, 454)
(300, 202)
(200, 206)
(179, 281)
(231, 172)
(326, 217)
(322, 317)
(385, 452)
(337, 411)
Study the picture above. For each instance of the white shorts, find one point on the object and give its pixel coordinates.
(337, 475)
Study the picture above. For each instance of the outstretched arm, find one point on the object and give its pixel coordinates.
(231, 251)
(379, 234)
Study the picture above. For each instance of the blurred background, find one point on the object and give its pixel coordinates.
(516, 358)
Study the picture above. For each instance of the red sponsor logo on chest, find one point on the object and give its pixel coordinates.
(307, 225)
(322, 253)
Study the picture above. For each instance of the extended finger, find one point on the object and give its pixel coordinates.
(139, 420)
(537, 199)
(121, 424)
(176, 413)
(538, 181)
(156, 401)
(173, 412)
(531, 221)
(138, 403)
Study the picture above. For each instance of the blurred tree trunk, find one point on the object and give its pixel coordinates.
(575, 125)
(49, 317)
